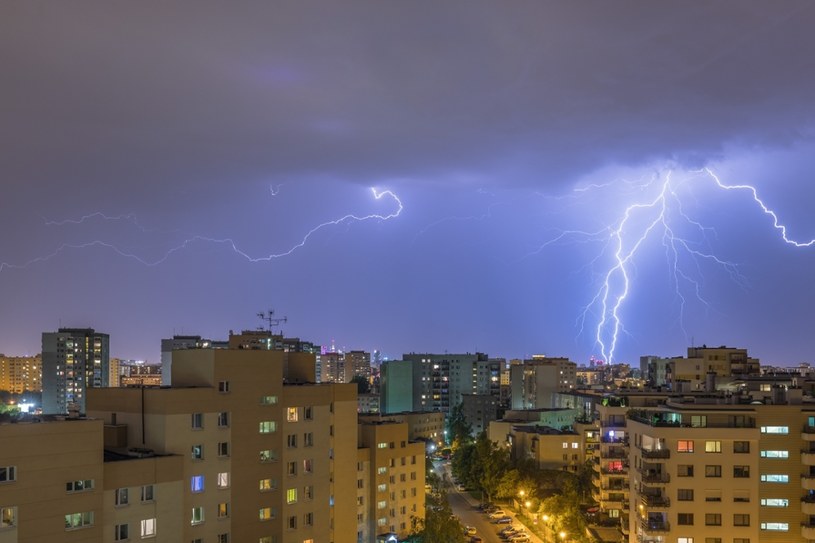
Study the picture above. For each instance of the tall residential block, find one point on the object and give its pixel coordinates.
(535, 382)
(73, 360)
(20, 373)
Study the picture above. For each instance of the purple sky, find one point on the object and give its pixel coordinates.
(505, 129)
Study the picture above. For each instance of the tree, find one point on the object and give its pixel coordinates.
(439, 523)
(458, 429)
(363, 385)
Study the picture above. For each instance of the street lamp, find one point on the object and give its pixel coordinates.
(562, 535)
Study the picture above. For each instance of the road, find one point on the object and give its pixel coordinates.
(465, 508)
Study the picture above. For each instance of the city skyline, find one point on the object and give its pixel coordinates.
(176, 169)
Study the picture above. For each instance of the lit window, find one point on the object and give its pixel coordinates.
(148, 527)
(78, 520)
(268, 400)
(291, 495)
(267, 484)
(775, 429)
(267, 427)
(775, 526)
(265, 513)
(775, 478)
(775, 454)
(713, 446)
(775, 502)
(223, 479)
(268, 456)
(223, 510)
(8, 517)
(197, 515)
(197, 483)
(684, 446)
(291, 414)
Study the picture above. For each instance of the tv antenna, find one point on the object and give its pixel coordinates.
(270, 320)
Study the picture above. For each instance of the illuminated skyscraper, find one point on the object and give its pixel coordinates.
(73, 359)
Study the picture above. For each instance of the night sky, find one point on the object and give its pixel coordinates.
(138, 137)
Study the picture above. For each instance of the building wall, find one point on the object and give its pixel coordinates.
(21, 373)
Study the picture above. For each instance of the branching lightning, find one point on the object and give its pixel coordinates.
(345, 219)
(661, 218)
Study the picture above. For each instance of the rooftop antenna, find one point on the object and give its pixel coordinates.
(270, 320)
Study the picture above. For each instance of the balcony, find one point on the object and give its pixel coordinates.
(618, 472)
(808, 506)
(808, 482)
(613, 453)
(655, 453)
(808, 433)
(658, 480)
(656, 528)
(654, 502)
(808, 530)
(808, 458)
(614, 440)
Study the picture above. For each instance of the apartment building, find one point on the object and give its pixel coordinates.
(20, 373)
(259, 442)
(57, 484)
(394, 472)
(535, 382)
(73, 361)
(723, 470)
(421, 425)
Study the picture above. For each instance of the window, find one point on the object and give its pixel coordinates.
(223, 419)
(222, 538)
(147, 493)
(197, 483)
(223, 510)
(713, 540)
(698, 421)
(223, 386)
(684, 540)
(266, 485)
(713, 446)
(713, 495)
(308, 412)
(197, 515)
(120, 496)
(684, 519)
(308, 492)
(267, 427)
(713, 519)
(383, 445)
(740, 519)
(775, 454)
(291, 414)
(197, 421)
(291, 523)
(291, 441)
(148, 527)
(742, 472)
(291, 495)
(684, 495)
(684, 446)
(774, 526)
(741, 540)
(223, 448)
(265, 513)
(8, 474)
(308, 465)
(121, 532)
(775, 478)
(775, 502)
(291, 468)
(308, 519)
(268, 456)
(775, 429)
(741, 446)
(381, 504)
(684, 470)
(268, 400)
(223, 479)
(308, 439)
(79, 486)
(713, 471)
(8, 517)
(381, 470)
(197, 452)
(78, 520)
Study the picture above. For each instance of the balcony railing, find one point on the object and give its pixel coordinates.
(651, 502)
(655, 527)
(655, 478)
(655, 453)
(613, 453)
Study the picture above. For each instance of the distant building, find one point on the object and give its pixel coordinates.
(360, 363)
(479, 410)
(73, 360)
(177, 343)
(396, 386)
(535, 381)
(691, 373)
(20, 373)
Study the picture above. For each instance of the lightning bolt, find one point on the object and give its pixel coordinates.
(660, 217)
(229, 242)
(130, 217)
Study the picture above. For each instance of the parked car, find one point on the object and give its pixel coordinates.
(460, 487)
(523, 538)
(469, 530)
(502, 520)
(497, 513)
(476, 539)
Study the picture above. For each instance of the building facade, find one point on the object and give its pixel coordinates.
(73, 360)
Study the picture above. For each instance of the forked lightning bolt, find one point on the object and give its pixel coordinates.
(661, 216)
(378, 195)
